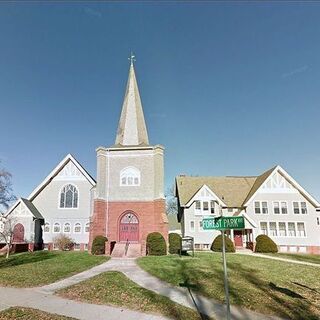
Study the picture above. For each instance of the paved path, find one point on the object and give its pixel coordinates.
(11, 297)
(279, 259)
(182, 296)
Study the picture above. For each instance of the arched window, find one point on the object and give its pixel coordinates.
(56, 227)
(46, 227)
(87, 227)
(130, 176)
(69, 197)
(67, 227)
(77, 228)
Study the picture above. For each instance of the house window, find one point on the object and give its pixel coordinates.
(77, 228)
(300, 229)
(130, 177)
(264, 228)
(212, 205)
(205, 206)
(264, 207)
(276, 207)
(273, 229)
(282, 229)
(76, 246)
(87, 227)
(198, 205)
(291, 229)
(296, 208)
(46, 227)
(284, 209)
(69, 197)
(303, 207)
(318, 221)
(192, 225)
(86, 246)
(67, 227)
(56, 227)
(257, 208)
(200, 225)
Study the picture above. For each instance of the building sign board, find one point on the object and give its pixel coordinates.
(223, 223)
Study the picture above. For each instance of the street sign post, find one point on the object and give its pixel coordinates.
(224, 223)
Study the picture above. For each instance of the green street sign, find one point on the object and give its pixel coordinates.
(223, 223)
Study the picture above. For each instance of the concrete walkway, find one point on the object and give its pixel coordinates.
(12, 297)
(279, 259)
(182, 296)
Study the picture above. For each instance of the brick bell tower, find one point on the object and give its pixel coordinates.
(129, 197)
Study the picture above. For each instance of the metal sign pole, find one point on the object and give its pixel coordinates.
(226, 287)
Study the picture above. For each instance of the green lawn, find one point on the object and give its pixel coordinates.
(299, 257)
(44, 267)
(266, 286)
(19, 313)
(114, 288)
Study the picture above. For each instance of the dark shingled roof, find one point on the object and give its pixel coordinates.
(32, 209)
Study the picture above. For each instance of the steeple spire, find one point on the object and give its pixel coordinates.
(132, 129)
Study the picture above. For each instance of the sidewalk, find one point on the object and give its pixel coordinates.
(11, 297)
(182, 296)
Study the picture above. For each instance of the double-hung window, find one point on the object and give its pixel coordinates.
(282, 229)
(296, 208)
(273, 229)
(276, 207)
(264, 228)
(191, 225)
(301, 229)
(257, 209)
(284, 209)
(198, 206)
(212, 204)
(303, 207)
(205, 206)
(264, 207)
(291, 229)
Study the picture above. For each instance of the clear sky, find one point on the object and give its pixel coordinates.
(228, 88)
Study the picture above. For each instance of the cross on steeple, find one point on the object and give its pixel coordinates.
(132, 58)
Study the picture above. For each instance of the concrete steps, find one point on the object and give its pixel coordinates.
(119, 250)
(133, 250)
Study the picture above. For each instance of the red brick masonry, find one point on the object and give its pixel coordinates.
(106, 217)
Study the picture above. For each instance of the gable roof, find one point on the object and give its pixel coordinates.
(31, 208)
(56, 170)
(236, 192)
(231, 190)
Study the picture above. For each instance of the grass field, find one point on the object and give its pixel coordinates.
(18, 313)
(114, 288)
(263, 285)
(43, 267)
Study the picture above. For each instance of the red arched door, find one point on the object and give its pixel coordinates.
(18, 233)
(129, 228)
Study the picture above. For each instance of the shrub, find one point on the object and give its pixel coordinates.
(98, 245)
(174, 243)
(63, 242)
(265, 245)
(156, 245)
(217, 244)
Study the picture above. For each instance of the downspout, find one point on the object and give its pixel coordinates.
(107, 193)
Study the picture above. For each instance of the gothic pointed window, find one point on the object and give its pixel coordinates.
(130, 176)
(69, 197)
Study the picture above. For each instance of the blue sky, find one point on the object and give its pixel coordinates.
(227, 88)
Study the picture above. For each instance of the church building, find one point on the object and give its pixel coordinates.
(124, 204)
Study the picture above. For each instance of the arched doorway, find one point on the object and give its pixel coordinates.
(129, 228)
(18, 233)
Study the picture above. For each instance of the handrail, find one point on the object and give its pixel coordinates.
(127, 247)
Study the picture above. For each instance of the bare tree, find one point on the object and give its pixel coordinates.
(6, 232)
(6, 196)
(171, 202)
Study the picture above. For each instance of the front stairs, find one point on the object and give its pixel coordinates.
(126, 250)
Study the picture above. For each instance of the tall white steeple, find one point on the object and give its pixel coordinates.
(132, 129)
